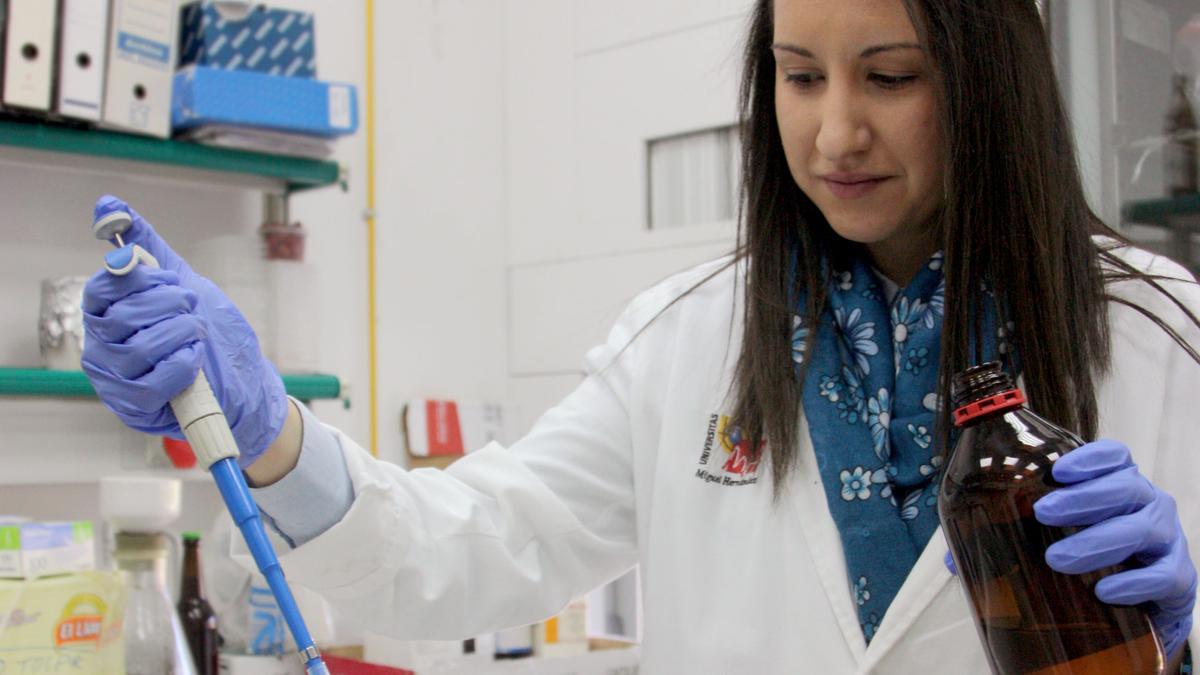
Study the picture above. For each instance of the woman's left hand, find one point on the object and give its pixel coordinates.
(1127, 517)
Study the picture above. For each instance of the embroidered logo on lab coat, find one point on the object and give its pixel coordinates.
(726, 458)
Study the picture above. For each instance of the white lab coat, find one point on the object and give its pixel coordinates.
(627, 471)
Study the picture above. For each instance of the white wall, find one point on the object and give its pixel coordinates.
(440, 149)
(589, 83)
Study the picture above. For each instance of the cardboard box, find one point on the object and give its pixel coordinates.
(440, 462)
(565, 634)
(256, 38)
(65, 624)
(43, 549)
(205, 96)
(428, 656)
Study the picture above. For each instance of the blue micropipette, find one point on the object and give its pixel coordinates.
(208, 433)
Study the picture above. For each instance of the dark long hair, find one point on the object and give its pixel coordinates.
(1015, 214)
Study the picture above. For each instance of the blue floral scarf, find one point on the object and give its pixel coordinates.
(870, 399)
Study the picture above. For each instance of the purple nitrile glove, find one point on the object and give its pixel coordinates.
(1126, 517)
(149, 332)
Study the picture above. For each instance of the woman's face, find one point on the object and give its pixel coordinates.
(855, 100)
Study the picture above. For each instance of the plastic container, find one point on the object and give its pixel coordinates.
(139, 503)
(154, 639)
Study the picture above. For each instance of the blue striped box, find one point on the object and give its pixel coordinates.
(261, 39)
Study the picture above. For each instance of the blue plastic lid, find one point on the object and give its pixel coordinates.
(120, 258)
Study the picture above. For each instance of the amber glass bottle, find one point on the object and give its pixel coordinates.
(1031, 619)
(199, 620)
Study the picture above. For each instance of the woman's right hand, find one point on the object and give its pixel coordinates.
(149, 332)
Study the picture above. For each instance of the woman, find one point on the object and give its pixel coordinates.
(912, 207)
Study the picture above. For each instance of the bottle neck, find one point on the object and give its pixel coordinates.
(984, 390)
(144, 572)
(190, 581)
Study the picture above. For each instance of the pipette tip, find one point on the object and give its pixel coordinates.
(316, 668)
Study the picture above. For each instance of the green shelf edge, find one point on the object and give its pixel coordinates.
(297, 173)
(74, 384)
(1158, 211)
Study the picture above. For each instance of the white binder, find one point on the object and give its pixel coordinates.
(81, 58)
(141, 59)
(29, 54)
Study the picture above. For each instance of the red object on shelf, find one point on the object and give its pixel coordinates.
(284, 242)
(445, 432)
(179, 452)
(342, 666)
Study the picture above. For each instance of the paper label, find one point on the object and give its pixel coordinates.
(10, 538)
(266, 623)
(442, 425)
(143, 31)
(339, 107)
(43, 536)
(35, 549)
(138, 46)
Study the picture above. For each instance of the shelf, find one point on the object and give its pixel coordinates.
(151, 156)
(313, 386)
(74, 384)
(1165, 212)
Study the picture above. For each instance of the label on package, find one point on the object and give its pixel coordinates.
(339, 107)
(65, 624)
(39, 549)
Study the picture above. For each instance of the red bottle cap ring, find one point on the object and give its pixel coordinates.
(1005, 400)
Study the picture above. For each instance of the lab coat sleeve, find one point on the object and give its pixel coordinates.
(505, 536)
(1177, 461)
(1173, 463)
(316, 493)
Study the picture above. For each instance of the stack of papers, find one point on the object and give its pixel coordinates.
(261, 140)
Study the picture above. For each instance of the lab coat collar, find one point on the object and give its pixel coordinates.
(919, 590)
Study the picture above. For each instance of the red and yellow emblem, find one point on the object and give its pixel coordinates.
(740, 460)
(82, 620)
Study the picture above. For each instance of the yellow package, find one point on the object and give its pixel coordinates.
(63, 624)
